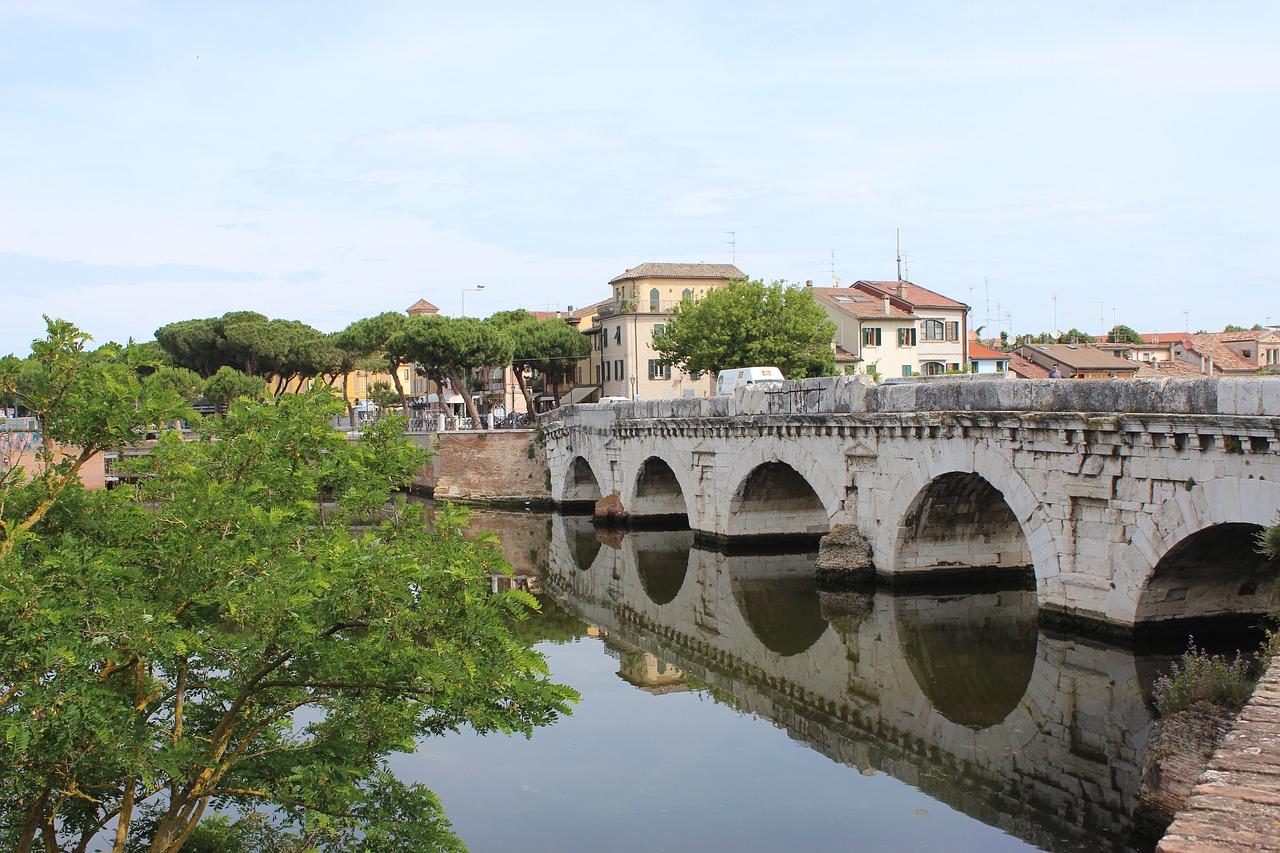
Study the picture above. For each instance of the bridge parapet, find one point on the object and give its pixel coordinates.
(1255, 396)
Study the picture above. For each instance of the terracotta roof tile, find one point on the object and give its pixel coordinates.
(915, 294)
(1167, 370)
(652, 270)
(977, 350)
(866, 307)
(1224, 359)
(1024, 369)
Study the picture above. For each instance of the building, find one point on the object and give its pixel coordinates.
(897, 328)
(623, 360)
(1079, 361)
(984, 359)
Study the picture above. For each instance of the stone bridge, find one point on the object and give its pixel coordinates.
(959, 696)
(1134, 502)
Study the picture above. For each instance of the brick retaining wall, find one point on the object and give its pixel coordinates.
(484, 465)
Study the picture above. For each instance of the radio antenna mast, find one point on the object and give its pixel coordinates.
(733, 246)
(898, 234)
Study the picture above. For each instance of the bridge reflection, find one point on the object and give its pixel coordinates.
(961, 696)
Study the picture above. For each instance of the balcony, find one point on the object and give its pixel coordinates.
(636, 306)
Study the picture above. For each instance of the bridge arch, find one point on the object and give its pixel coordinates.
(1195, 557)
(975, 486)
(960, 519)
(580, 483)
(658, 491)
(785, 490)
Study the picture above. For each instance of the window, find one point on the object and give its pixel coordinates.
(599, 374)
(604, 339)
(907, 338)
(617, 335)
(686, 294)
(871, 336)
(953, 330)
(659, 329)
(1273, 356)
(906, 368)
(617, 370)
(933, 368)
(607, 374)
(659, 371)
(653, 300)
(932, 330)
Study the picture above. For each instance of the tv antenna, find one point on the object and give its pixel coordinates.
(898, 239)
(733, 246)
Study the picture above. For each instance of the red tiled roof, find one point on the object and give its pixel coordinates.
(1024, 369)
(1249, 335)
(915, 294)
(866, 307)
(1224, 358)
(977, 350)
(1166, 337)
(1166, 370)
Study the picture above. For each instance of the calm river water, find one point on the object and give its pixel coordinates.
(729, 705)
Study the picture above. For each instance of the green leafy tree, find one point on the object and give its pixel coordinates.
(551, 347)
(229, 384)
(185, 384)
(1124, 335)
(1232, 328)
(750, 323)
(212, 633)
(383, 395)
(369, 338)
(449, 348)
(1075, 336)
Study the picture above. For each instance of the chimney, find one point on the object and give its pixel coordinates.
(902, 290)
(886, 304)
(809, 283)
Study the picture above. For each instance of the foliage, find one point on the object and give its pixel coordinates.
(249, 342)
(1269, 541)
(449, 348)
(230, 384)
(750, 323)
(216, 635)
(1201, 677)
(1075, 336)
(551, 347)
(1122, 334)
(383, 395)
(369, 338)
(185, 384)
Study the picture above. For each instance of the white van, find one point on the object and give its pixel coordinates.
(728, 380)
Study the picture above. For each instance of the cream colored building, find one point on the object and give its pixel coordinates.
(896, 328)
(623, 362)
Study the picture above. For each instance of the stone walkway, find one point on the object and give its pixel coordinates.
(1236, 804)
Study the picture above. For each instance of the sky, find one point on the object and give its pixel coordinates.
(1050, 164)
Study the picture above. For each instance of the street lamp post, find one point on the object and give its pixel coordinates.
(465, 291)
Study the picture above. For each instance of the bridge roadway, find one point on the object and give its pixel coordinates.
(1039, 734)
(1135, 503)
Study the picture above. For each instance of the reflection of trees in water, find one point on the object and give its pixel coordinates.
(779, 600)
(662, 561)
(552, 624)
(971, 655)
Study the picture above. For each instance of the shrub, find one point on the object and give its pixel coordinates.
(1201, 677)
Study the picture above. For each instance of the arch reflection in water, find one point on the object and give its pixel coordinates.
(778, 599)
(583, 543)
(971, 655)
(662, 561)
(1049, 718)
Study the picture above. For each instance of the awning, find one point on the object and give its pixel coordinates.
(450, 397)
(577, 395)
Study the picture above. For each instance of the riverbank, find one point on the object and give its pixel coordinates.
(1235, 805)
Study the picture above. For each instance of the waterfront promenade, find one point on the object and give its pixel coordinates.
(1236, 804)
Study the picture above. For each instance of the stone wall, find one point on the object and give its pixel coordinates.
(484, 465)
